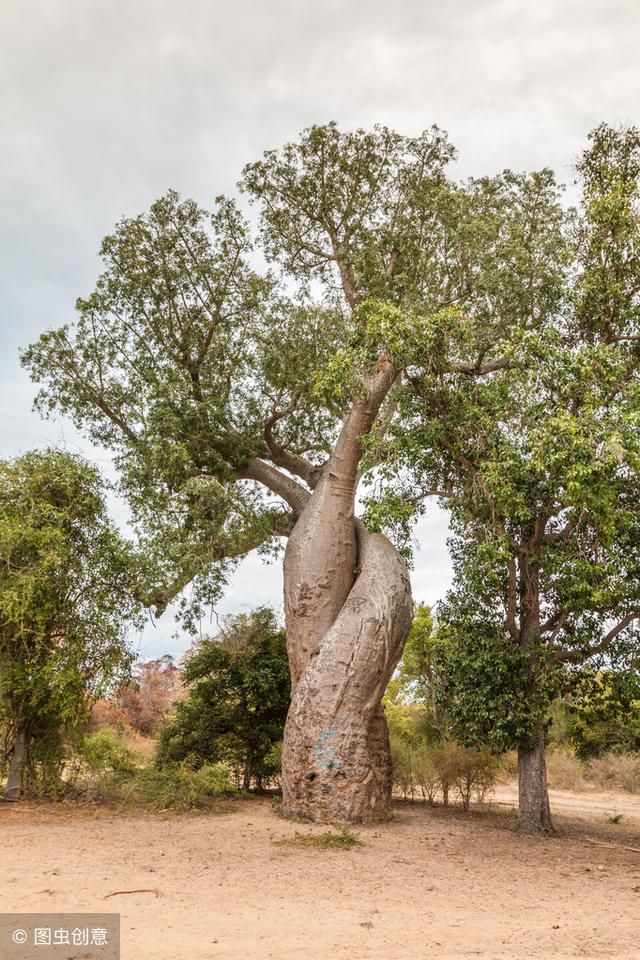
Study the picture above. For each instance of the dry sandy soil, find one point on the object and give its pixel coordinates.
(432, 883)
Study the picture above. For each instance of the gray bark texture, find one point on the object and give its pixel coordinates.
(534, 813)
(348, 611)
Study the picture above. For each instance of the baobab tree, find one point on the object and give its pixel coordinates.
(246, 407)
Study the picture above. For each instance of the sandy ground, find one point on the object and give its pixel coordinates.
(432, 883)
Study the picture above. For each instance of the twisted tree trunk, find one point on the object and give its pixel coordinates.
(336, 761)
(348, 611)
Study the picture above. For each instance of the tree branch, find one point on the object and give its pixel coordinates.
(276, 481)
(575, 656)
(217, 550)
(282, 457)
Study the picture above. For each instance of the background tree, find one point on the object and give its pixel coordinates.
(426, 756)
(539, 463)
(149, 697)
(238, 696)
(66, 603)
(602, 712)
(416, 681)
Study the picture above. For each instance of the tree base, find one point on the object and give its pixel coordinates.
(341, 777)
(534, 813)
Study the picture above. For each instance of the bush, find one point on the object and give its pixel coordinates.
(471, 772)
(103, 768)
(238, 695)
(98, 761)
(434, 769)
(177, 788)
(105, 753)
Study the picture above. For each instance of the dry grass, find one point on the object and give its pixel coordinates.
(564, 770)
(615, 771)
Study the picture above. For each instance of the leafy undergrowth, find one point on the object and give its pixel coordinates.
(174, 789)
(342, 840)
(104, 771)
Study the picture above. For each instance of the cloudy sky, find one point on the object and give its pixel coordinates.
(104, 104)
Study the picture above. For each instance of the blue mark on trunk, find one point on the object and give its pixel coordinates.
(325, 752)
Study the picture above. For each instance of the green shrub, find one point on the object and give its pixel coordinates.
(177, 788)
(104, 769)
(105, 754)
(238, 695)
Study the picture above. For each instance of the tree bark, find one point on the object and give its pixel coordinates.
(14, 786)
(534, 813)
(336, 763)
(348, 611)
(248, 772)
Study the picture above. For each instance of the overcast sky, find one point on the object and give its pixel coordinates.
(104, 104)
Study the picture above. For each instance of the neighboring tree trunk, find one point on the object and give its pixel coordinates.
(14, 786)
(534, 814)
(248, 772)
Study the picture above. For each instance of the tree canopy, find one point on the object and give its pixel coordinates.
(66, 595)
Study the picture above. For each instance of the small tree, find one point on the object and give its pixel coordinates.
(66, 603)
(146, 700)
(238, 695)
(417, 681)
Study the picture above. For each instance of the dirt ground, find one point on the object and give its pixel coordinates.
(432, 883)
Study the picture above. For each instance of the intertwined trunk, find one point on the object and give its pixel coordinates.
(348, 611)
(336, 761)
(534, 813)
(14, 785)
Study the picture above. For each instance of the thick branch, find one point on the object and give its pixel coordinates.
(282, 457)
(281, 526)
(577, 656)
(287, 488)
(343, 463)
